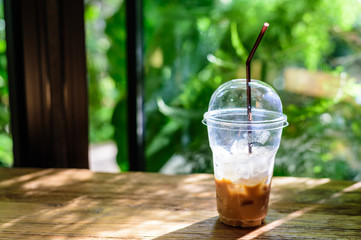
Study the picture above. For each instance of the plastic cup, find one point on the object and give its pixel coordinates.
(243, 179)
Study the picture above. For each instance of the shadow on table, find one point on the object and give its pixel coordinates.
(216, 230)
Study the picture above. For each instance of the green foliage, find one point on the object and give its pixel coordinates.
(192, 47)
(302, 33)
(117, 70)
(107, 74)
(102, 88)
(6, 155)
(323, 140)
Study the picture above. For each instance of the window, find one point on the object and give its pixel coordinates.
(310, 54)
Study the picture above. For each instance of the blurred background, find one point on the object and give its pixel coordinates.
(311, 54)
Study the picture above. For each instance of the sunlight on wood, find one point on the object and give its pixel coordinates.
(80, 204)
(197, 177)
(57, 179)
(160, 222)
(277, 223)
(24, 178)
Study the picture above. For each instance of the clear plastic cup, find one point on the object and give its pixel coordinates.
(243, 179)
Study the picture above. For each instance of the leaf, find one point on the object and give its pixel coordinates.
(119, 120)
(236, 42)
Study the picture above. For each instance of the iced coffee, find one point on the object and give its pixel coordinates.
(243, 182)
(244, 150)
(242, 205)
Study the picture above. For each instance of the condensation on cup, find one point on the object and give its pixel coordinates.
(244, 151)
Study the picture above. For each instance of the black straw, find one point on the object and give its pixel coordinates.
(248, 74)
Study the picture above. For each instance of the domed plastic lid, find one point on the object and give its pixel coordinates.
(228, 107)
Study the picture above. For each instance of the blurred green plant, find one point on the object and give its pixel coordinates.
(323, 139)
(107, 74)
(102, 88)
(6, 154)
(192, 47)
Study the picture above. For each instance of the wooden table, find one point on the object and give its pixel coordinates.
(80, 204)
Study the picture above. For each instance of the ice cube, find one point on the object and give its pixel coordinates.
(239, 146)
(245, 170)
(261, 164)
(220, 154)
(261, 136)
(230, 171)
(238, 165)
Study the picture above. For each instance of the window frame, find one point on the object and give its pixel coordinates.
(48, 84)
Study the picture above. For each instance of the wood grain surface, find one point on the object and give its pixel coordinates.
(80, 204)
